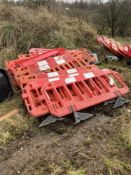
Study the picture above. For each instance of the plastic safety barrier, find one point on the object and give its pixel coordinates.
(25, 60)
(72, 90)
(59, 82)
(56, 63)
(83, 52)
(115, 47)
(23, 80)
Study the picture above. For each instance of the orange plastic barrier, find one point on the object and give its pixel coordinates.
(65, 61)
(115, 47)
(83, 52)
(60, 82)
(77, 88)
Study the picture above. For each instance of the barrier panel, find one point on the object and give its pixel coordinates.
(52, 64)
(23, 80)
(83, 52)
(72, 90)
(27, 59)
(115, 47)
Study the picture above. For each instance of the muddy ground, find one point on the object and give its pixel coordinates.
(99, 146)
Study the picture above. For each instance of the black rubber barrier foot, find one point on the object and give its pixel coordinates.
(5, 85)
(120, 102)
(80, 116)
(49, 120)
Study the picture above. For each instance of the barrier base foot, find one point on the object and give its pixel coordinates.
(79, 116)
(49, 120)
(120, 102)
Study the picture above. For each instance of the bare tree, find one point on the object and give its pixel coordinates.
(113, 13)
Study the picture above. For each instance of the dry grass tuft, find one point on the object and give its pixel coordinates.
(22, 28)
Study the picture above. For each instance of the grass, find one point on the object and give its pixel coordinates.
(12, 128)
(7, 54)
(22, 28)
(53, 169)
(116, 167)
(118, 160)
(16, 125)
(76, 172)
(124, 137)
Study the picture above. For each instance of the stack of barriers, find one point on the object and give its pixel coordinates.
(58, 82)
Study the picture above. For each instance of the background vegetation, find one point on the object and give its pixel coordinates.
(41, 23)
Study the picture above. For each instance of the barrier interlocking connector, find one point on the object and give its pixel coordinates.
(73, 90)
(115, 47)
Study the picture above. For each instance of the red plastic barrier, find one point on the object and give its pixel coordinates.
(79, 88)
(52, 64)
(25, 60)
(22, 80)
(60, 81)
(83, 52)
(115, 47)
(127, 50)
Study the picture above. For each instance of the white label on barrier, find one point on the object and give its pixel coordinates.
(70, 71)
(58, 58)
(89, 75)
(111, 82)
(54, 79)
(73, 75)
(53, 74)
(42, 63)
(46, 67)
(70, 80)
(126, 48)
(62, 61)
